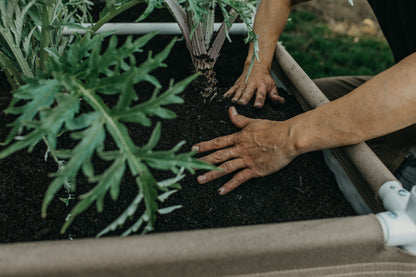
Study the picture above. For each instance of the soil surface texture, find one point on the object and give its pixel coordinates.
(305, 189)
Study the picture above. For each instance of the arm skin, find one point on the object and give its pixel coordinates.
(384, 104)
(269, 23)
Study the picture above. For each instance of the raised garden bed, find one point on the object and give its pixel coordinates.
(305, 189)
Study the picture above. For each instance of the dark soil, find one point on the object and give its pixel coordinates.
(305, 189)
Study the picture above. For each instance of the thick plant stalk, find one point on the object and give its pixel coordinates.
(220, 38)
(45, 36)
(198, 38)
(181, 18)
(208, 27)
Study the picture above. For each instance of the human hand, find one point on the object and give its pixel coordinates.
(259, 83)
(262, 147)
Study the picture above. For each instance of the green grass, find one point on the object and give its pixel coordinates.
(322, 52)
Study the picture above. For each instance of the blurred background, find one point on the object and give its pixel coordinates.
(332, 38)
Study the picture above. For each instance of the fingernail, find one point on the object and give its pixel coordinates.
(257, 104)
(201, 178)
(221, 191)
(233, 111)
(241, 102)
(195, 148)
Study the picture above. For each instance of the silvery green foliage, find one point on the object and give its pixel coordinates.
(115, 6)
(196, 21)
(52, 75)
(51, 105)
(351, 2)
(28, 26)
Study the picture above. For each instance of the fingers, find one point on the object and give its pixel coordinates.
(238, 93)
(274, 95)
(238, 120)
(231, 91)
(220, 156)
(238, 179)
(226, 168)
(242, 93)
(226, 141)
(246, 95)
(214, 144)
(260, 97)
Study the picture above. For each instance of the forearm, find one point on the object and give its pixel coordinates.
(271, 18)
(384, 104)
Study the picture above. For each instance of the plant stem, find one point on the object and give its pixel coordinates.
(221, 35)
(114, 13)
(13, 75)
(24, 66)
(135, 165)
(52, 151)
(45, 35)
(181, 18)
(137, 168)
(209, 24)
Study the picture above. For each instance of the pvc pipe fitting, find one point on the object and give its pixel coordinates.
(393, 196)
(399, 223)
(169, 28)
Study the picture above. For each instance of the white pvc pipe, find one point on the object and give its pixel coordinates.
(169, 28)
(399, 224)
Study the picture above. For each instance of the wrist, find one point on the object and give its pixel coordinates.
(258, 64)
(282, 137)
(303, 136)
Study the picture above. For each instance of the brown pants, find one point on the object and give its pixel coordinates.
(392, 148)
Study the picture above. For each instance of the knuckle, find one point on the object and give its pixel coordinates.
(231, 185)
(217, 142)
(243, 100)
(227, 167)
(217, 156)
(260, 97)
(239, 178)
(209, 176)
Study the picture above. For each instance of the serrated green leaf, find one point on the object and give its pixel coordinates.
(147, 185)
(131, 209)
(93, 138)
(154, 138)
(166, 195)
(169, 209)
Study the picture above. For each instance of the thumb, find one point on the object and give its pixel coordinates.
(238, 120)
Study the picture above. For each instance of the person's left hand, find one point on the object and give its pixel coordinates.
(262, 147)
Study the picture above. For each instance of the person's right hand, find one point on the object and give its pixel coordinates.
(262, 147)
(259, 83)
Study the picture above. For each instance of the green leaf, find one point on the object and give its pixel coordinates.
(67, 99)
(169, 209)
(93, 138)
(109, 179)
(41, 93)
(147, 185)
(131, 210)
(153, 107)
(166, 195)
